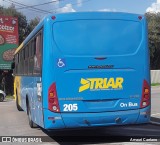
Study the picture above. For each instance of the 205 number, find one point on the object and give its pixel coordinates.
(70, 107)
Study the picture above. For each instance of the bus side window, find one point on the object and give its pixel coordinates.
(26, 61)
(30, 60)
(17, 63)
(34, 47)
(41, 44)
(24, 51)
(15, 60)
(37, 55)
(22, 61)
(30, 49)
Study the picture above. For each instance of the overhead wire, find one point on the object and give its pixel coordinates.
(39, 4)
(33, 8)
(21, 6)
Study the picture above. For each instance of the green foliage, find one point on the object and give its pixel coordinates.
(33, 23)
(24, 27)
(155, 84)
(9, 97)
(153, 20)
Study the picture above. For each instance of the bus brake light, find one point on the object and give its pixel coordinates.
(53, 104)
(145, 100)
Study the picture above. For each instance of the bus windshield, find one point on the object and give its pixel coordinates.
(97, 37)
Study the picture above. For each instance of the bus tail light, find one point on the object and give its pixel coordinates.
(53, 104)
(145, 100)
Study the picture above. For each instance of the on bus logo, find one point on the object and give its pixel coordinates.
(94, 84)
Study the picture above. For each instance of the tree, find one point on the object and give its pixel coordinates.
(22, 21)
(24, 27)
(32, 24)
(153, 20)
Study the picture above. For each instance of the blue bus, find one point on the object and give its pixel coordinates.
(85, 69)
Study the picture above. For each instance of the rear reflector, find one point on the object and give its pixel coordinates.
(53, 104)
(53, 17)
(145, 100)
(50, 118)
(140, 17)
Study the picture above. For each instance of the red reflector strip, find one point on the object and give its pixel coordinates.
(53, 17)
(50, 118)
(140, 17)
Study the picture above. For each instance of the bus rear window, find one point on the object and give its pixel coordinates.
(97, 37)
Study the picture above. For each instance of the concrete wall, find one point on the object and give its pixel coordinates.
(155, 76)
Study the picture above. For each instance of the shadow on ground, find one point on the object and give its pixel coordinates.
(108, 134)
(83, 136)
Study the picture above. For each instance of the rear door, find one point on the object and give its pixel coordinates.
(97, 69)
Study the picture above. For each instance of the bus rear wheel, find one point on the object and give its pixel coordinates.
(1, 97)
(31, 123)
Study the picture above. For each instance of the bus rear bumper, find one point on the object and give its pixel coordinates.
(75, 120)
(144, 115)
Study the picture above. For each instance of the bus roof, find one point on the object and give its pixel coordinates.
(80, 15)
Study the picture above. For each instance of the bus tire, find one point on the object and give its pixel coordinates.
(1, 97)
(17, 105)
(31, 123)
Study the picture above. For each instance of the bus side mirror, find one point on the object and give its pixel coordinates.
(13, 65)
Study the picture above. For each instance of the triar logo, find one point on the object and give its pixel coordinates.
(95, 84)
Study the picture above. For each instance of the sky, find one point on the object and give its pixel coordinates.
(62, 6)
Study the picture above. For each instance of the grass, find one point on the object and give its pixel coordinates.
(155, 84)
(9, 97)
